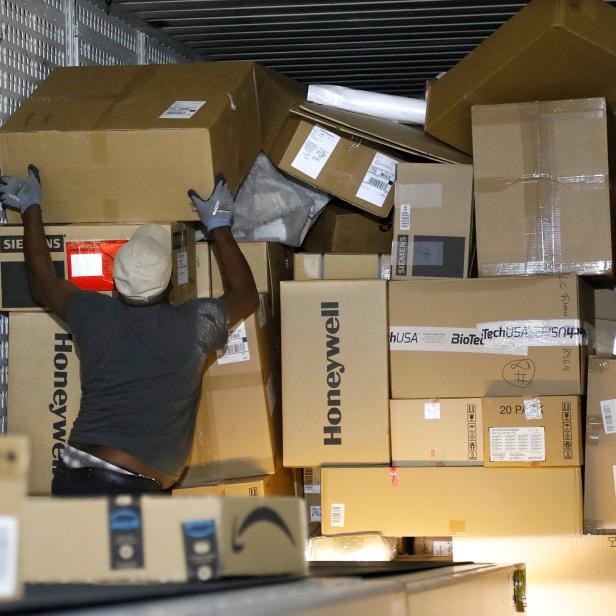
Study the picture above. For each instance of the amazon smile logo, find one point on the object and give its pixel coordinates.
(261, 514)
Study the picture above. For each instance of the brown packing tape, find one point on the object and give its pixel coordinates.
(594, 429)
(457, 527)
(98, 147)
(598, 365)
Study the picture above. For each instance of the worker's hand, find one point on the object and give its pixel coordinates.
(216, 211)
(21, 193)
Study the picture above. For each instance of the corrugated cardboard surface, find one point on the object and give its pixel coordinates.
(203, 273)
(335, 374)
(431, 502)
(605, 305)
(433, 221)
(558, 431)
(436, 432)
(341, 266)
(44, 390)
(452, 305)
(605, 337)
(542, 195)
(600, 463)
(553, 49)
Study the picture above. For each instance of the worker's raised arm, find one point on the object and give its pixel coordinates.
(24, 195)
(240, 291)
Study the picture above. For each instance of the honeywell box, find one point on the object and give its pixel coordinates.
(160, 539)
(436, 432)
(44, 390)
(433, 221)
(542, 194)
(432, 502)
(84, 255)
(335, 377)
(539, 431)
(600, 463)
(341, 266)
(489, 336)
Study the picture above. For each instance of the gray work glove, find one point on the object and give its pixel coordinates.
(21, 193)
(216, 211)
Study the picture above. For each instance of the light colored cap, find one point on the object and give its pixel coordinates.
(142, 267)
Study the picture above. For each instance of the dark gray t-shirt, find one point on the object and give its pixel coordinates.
(141, 371)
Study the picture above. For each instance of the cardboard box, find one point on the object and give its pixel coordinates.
(312, 498)
(342, 228)
(350, 155)
(600, 463)
(159, 539)
(490, 336)
(605, 305)
(541, 431)
(552, 49)
(433, 221)
(202, 270)
(84, 254)
(605, 337)
(436, 432)
(451, 501)
(341, 266)
(44, 390)
(542, 195)
(441, 547)
(335, 377)
(237, 430)
(14, 460)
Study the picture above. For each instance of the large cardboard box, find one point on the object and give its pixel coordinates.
(342, 228)
(542, 195)
(436, 432)
(605, 321)
(335, 376)
(552, 49)
(600, 463)
(489, 336)
(237, 431)
(44, 390)
(540, 431)
(84, 255)
(341, 266)
(160, 539)
(434, 502)
(433, 221)
(202, 270)
(352, 156)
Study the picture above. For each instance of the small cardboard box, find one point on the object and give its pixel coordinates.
(160, 539)
(433, 221)
(540, 431)
(312, 498)
(490, 336)
(432, 502)
(341, 266)
(552, 49)
(436, 432)
(335, 376)
(542, 194)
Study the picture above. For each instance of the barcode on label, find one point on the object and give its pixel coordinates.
(405, 217)
(315, 513)
(378, 183)
(608, 410)
(337, 515)
(8, 555)
(236, 348)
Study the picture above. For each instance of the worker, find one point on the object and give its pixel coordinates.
(142, 358)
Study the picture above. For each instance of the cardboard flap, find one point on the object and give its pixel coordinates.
(409, 139)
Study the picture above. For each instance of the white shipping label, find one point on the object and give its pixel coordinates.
(517, 444)
(83, 265)
(444, 340)
(608, 411)
(315, 152)
(315, 513)
(182, 110)
(536, 333)
(8, 555)
(442, 548)
(182, 261)
(378, 180)
(337, 515)
(236, 349)
(405, 217)
(533, 408)
(432, 410)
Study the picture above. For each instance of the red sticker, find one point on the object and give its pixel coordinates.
(90, 263)
(393, 473)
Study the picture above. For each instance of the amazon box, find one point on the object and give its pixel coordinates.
(335, 377)
(84, 255)
(539, 431)
(352, 156)
(490, 336)
(433, 221)
(158, 539)
(449, 501)
(542, 194)
(550, 50)
(600, 463)
(436, 432)
(44, 390)
(341, 266)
